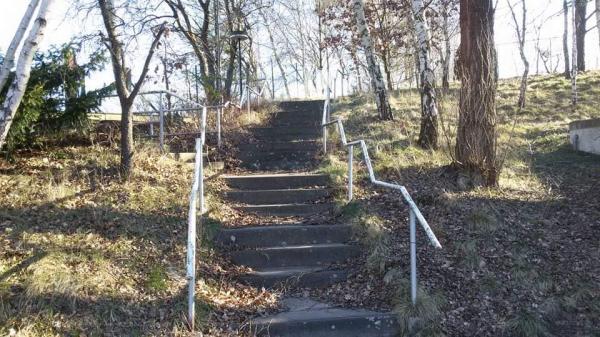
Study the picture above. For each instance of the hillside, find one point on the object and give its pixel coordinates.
(84, 254)
(522, 259)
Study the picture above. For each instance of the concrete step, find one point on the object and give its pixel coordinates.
(284, 235)
(286, 137)
(295, 256)
(308, 116)
(313, 319)
(288, 196)
(281, 146)
(296, 121)
(276, 181)
(277, 155)
(301, 105)
(293, 164)
(305, 277)
(287, 210)
(279, 134)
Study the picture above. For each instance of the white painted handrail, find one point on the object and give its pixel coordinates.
(414, 212)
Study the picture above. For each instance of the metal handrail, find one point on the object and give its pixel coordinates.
(258, 94)
(196, 199)
(414, 212)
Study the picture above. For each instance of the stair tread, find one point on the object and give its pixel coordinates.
(309, 310)
(284, 226)
(309, 246)
(274, 175)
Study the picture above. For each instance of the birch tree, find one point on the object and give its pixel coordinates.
(377, 83)
(521, 30)
(428, 136)
(476, 135)
(19, 84)
(9, 58)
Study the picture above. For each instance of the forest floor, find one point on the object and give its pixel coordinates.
(83, 254)
(519, 260)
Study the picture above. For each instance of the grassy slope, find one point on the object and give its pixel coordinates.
(522, 259)
(82, 253)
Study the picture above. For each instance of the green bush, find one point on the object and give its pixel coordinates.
(55, 100)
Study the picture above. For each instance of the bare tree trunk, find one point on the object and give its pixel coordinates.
(377, 83)
(357, 67)
(575, 57)
(386, 68)
(428, 136)
(122, 76)
(448, 51)
(19, 85)
(566, 38)
(521, 33)
(9, 58)
(476, 134)
(196, 32)
(276, 54)
(580, 9)
(598, 18)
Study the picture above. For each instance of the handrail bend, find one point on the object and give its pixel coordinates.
(414, 212)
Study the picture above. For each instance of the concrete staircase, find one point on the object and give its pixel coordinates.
(301, 253)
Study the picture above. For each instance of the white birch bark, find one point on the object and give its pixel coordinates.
(429, 111)
(381, 95)
(9, 58)
(19, 84)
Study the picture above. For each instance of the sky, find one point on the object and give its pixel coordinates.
(61, 28)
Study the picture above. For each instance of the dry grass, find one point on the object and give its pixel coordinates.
(83, 253)
(514, 257)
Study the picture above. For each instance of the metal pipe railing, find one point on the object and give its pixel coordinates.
(196, 199)
(414, 212)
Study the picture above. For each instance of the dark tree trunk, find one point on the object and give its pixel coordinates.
(476, 137)
(386, 68)
(580, 31)
(566, 39)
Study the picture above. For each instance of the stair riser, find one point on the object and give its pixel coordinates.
(286, 137)
(288, 210)
(299, 105)
(280, 196)
(309, 280)
(309, 118)
(266, 156)
(294, 257)
(283, 146)
(349, 327)
(278, 182)
(272, 236)
(286, 131)
(297, 122)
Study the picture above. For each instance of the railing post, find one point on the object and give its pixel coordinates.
(248, 98)
(413, 257)
(219, 112)
(191, 244)
(151, 125)
(350, 172)
(161, 132)
(201, 179)
(324, 139)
